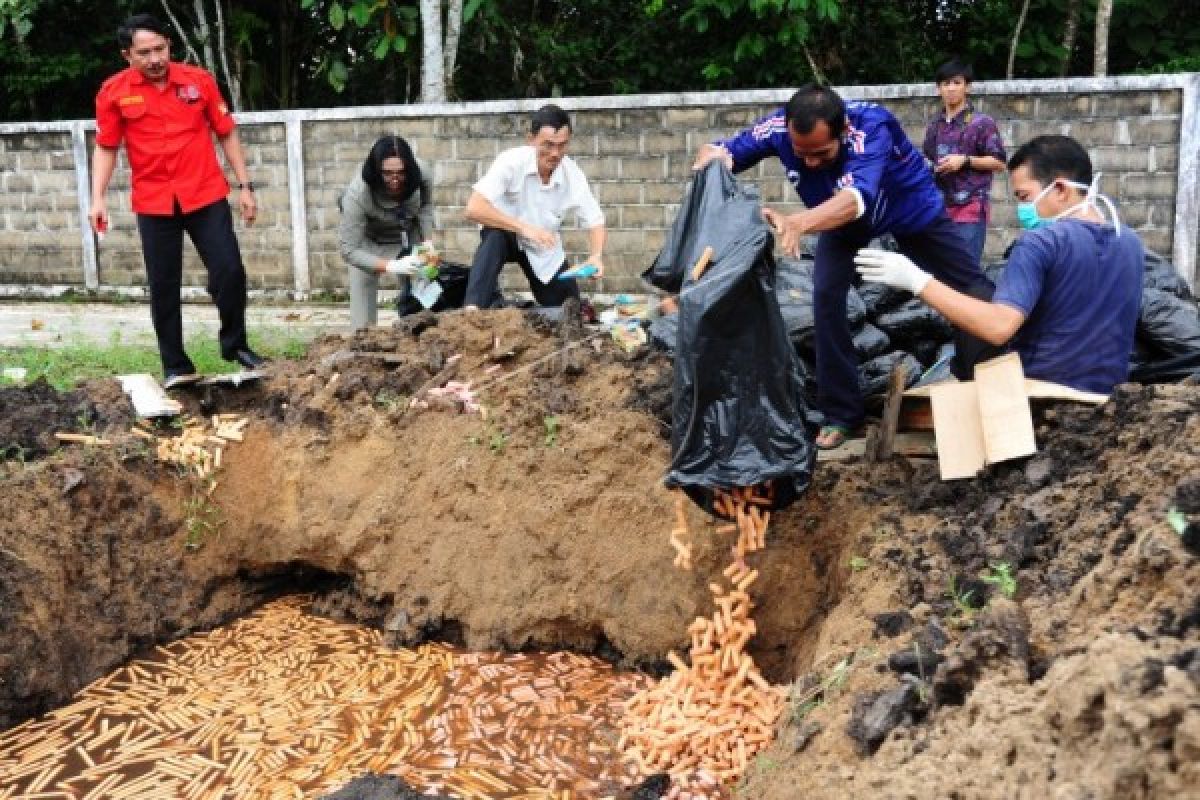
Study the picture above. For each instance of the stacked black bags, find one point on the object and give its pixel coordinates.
(891, 325)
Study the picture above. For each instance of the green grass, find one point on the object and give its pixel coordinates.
(82, 360)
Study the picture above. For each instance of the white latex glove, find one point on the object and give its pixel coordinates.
(894, 269)
(403, 266)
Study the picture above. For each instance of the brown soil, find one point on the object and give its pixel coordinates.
(518, 533)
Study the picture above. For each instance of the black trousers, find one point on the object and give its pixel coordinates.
(939, 249)
(497, 248)
(211, 230)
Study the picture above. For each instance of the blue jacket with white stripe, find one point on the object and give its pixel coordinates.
(876, 160)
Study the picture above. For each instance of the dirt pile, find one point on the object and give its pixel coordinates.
(883, 592)
(1083, 684)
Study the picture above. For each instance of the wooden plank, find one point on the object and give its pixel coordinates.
(959, 430)
(888, 422)
(1005, 417)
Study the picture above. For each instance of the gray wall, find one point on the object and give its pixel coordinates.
(1143, 133)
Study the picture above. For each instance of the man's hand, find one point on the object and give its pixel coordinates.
(708, 152)
(98, 216)
(894, 269)
(249, 205)
(789, 228)
(540, 238)
(950, 163)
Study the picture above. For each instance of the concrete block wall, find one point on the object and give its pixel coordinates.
(39, 210)
(1143, 133)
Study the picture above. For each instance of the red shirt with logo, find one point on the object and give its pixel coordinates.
(167, 135)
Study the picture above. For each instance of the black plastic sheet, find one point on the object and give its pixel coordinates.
(739, 413)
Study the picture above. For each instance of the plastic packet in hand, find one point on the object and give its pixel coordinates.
(426, 291)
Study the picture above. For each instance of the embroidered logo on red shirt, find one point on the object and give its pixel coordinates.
(188, 94)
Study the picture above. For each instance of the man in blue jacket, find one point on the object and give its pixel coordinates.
(860, 177)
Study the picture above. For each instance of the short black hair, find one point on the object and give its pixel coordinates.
(1053, 156)
(391, 146)
(812, 104)
(549, 116)
(954, 69)
(139, 22)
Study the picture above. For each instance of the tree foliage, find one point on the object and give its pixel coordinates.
(312, 53)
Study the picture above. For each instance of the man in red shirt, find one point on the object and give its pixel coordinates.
(166, 114)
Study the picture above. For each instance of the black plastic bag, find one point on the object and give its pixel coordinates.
(873, 376)
(794, 292)
(664, 331)
(739, 414)
(1169, 370)
(453, 279)
(869, 342)
(879, 297)
(914, 321)
(1169, 324)
(1161, 274)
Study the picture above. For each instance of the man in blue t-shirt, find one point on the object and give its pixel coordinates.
(1068, 301)
(860, 177)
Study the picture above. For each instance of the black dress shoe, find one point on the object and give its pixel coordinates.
(247, 358)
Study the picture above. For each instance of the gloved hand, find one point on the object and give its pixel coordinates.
(403, 266)
(894, 269)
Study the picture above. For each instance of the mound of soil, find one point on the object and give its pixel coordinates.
(1032, 632)
(1084, 684)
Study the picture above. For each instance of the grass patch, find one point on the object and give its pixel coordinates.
(63, 367)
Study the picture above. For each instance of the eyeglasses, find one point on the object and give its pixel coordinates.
(392, 174)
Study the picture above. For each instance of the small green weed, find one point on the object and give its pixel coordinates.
(202, 518)
(1001, 576)
(801, 705)
(964, 611)
(552, 426)
(858, 563)
(389, 401)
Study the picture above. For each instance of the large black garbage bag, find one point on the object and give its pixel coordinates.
(664, 331)
(914, 321)
(739, 414)
(873, 376)
(1169, 324)
(1161, 274)
(869, 342)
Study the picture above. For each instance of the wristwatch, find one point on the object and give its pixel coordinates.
(247, 185)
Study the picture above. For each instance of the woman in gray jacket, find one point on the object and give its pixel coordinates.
(386, 211)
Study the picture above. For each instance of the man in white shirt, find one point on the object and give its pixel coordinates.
(521, 202)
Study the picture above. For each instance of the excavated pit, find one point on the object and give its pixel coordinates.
(541, 527)
(544, 527)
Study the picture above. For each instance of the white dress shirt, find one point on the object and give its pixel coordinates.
(513, 186)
